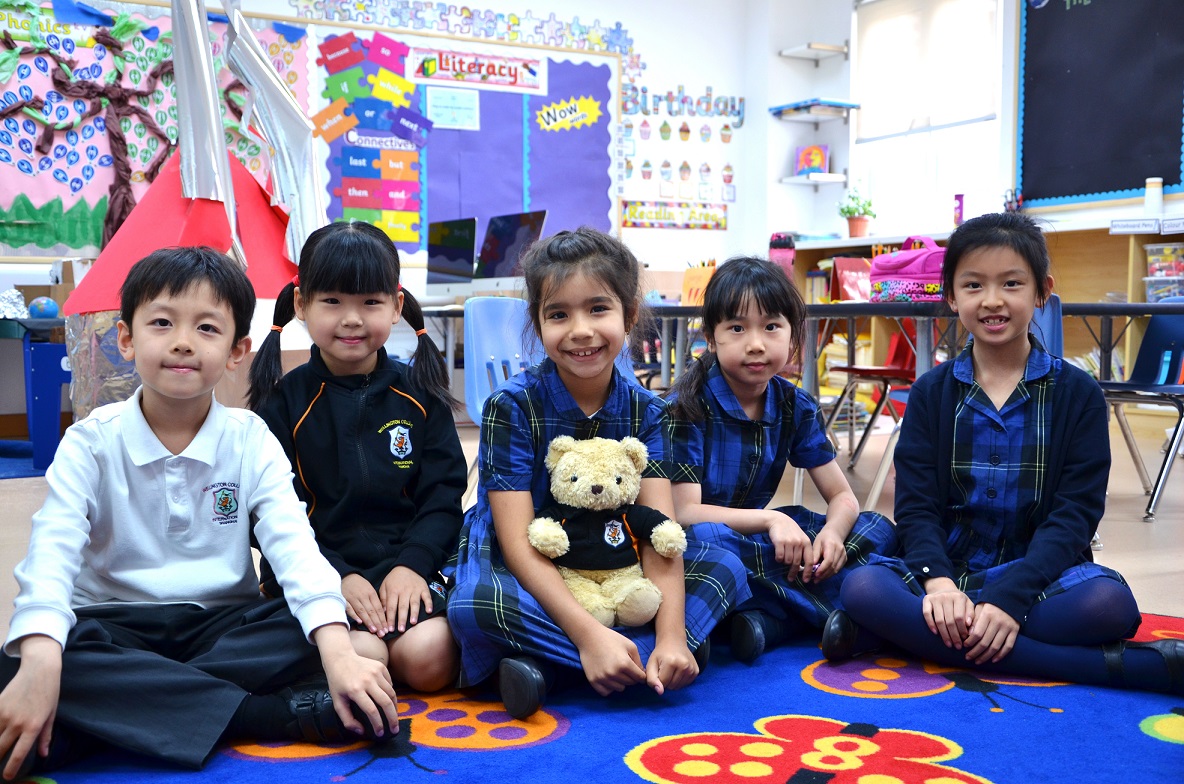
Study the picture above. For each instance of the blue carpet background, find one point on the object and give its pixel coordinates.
(857, 723)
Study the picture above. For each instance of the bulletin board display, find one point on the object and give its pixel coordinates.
(414, 127)
(433, 128)
(64, 137)
(1101, 99)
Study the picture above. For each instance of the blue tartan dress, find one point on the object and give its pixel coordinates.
(491, 615)
(1000, 483)
(739, 462)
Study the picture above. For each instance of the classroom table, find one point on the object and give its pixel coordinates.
(674, 320)
(674, 325)
(1106, 312)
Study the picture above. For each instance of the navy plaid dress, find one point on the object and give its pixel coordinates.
(998, 480)
(491, 615)
(739, 462)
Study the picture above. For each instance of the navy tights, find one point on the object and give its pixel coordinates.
(1061, 639)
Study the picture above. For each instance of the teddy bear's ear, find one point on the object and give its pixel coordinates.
(560, 446)
(636, 451)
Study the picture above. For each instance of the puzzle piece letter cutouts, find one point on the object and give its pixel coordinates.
(389, 86)
(400, 226)
(349, 84)
(332, 121)
(358, 162)
(398, 165)
(340, 53)
(387, 53)
(412, 126)
(372, 113)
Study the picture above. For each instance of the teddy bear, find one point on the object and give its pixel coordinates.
(594, 531)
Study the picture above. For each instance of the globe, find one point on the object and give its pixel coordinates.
(43, 307)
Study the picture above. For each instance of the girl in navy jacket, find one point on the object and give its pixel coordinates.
(373, 446)
(1001, 478)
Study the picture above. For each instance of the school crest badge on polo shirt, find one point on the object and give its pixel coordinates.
(614, 533)
(400, 441)
(225, 505)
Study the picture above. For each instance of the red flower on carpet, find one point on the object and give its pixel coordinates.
(791, 748)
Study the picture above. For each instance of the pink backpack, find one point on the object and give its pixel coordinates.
(908, 275)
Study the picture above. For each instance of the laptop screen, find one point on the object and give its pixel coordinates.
(506, 237)
(452, 249)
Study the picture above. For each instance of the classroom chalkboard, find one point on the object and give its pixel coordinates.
(1101, 99)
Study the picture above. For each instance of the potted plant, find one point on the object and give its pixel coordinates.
(857, 210)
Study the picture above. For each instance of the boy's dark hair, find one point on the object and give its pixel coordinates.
(547, 264)
(349, 257)
(175, 270)
(736, 282)
(1013, 230)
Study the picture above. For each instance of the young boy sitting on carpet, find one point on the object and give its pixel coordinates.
(139, 622)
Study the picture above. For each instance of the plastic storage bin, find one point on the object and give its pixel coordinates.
(1164, 286)
(1165, 260)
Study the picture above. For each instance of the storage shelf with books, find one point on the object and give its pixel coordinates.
(1089, 264)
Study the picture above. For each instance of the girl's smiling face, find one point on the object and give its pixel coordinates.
(995, 296)
(582, 328)
(349, 328)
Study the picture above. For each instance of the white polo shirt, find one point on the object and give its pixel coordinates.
(128, 521)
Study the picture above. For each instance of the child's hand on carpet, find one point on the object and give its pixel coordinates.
(29, 702)
(610, 661)
(992, 636)
(671, 667)
(356, 680)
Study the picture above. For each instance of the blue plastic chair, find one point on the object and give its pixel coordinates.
(494, 351)
(1156, 379)
(47, 368)
(1048, 327)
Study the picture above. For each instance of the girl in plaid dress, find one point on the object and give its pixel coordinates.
(509, 608)
(738, 425)
(1001, 478)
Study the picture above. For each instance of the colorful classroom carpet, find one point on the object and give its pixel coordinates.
(880, 719)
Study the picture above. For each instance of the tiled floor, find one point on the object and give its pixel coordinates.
(1149, 555)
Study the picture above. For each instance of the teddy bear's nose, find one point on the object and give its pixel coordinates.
(597, 489)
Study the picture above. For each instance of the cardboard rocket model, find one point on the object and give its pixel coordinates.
(205, 196)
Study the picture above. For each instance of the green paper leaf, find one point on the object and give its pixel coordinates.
(9, 59)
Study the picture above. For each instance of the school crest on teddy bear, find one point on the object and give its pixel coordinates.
(595, 531)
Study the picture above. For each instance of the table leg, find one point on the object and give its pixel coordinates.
(1105, 348)
(680, 346)
(810, 358)
(924, 345)
(450, 350)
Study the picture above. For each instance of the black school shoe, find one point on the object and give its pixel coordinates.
(839, 634)
(702, 654)
(522, 684)
(754, 632)
(313, 718)
(1172, 652)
